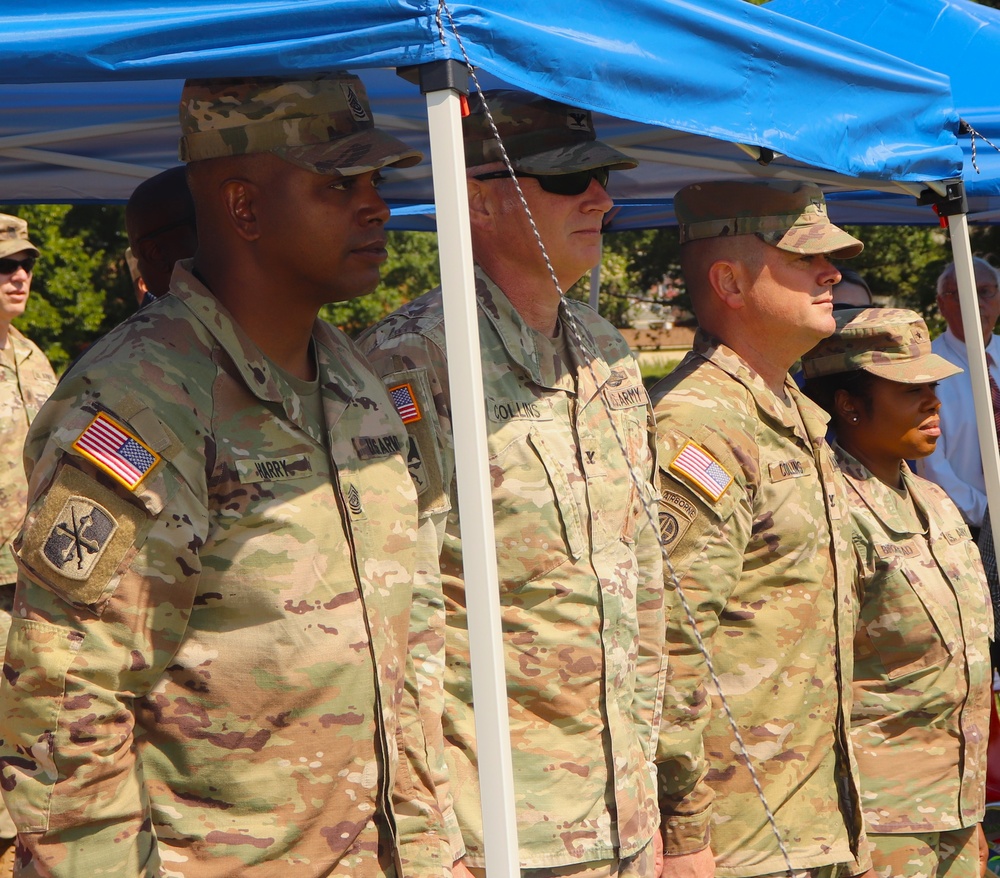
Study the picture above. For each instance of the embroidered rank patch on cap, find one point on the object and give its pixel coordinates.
(405, 402)
(702, 470)
(124, 457)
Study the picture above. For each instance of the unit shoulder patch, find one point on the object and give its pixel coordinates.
(79, 536)
(676, 515)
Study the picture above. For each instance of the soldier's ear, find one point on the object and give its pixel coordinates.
(239, 200)
(480, 205)
(724, 277)
(845, 407)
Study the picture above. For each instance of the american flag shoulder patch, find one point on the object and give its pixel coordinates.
(405, 401)
(702, 470)
(122, 455)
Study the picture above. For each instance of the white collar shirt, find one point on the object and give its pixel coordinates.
(957, 464)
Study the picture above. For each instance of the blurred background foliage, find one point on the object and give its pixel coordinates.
(81, 286)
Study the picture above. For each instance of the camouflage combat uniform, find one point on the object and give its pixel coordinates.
(205, 674)
(26, 380)
(579, 570)
(921, 660)
(757, 531)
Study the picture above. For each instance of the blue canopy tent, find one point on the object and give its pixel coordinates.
(707, 75)
(696, 88)
(956, 37)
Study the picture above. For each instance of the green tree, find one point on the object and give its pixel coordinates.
(633, 263)
(70, 304)
(903, 262)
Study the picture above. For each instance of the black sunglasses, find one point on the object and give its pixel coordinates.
(9, 266)
(575, 183)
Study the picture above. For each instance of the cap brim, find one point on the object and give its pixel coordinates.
(919, 371)
(816, 238)
(355, 154)
(9, 248)
(578, 157)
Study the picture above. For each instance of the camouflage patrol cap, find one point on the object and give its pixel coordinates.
(541, 136)
(323, 124)
(790, 216)
(14, 236)
(892, 343)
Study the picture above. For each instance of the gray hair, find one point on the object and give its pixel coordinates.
(946, 283)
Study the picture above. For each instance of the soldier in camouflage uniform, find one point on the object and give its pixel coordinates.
(757, 533)
(207, 673)
(921, 711)
(26, 380)
(579, 563)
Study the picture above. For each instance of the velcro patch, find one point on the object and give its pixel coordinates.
(423, 459)
(79, 536)
(959, 535)
(369, 447)
(502, 410)
(889, 550)
(274, 469)
(676, 515)
(702, 470)
(626, 397)
(122, 455)
(415, 464)
(405, 401)
(789, 469)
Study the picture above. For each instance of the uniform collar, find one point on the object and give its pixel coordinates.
(518, 340)
(782, 411)
(19, 346)
(883, 502)
(256, 371)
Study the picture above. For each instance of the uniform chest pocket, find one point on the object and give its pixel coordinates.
(537, 519)
(615, 506)
(901, 623)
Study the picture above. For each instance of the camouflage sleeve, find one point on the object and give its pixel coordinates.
(704, 537)
(415, 373)
(106, 583)
(415, 796)
(651, 663)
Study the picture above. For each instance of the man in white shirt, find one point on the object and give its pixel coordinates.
(957, 464)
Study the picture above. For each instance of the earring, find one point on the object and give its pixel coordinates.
(854, 419)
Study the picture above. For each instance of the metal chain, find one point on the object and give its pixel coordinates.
(640, 483)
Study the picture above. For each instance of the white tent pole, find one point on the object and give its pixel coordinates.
(968, 299)
(475, 501)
